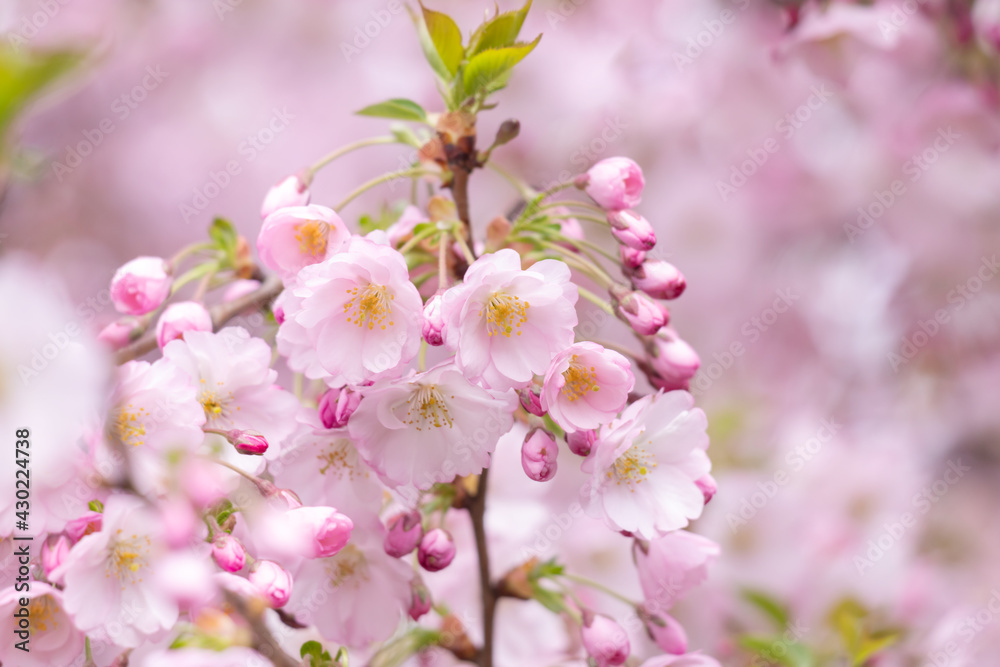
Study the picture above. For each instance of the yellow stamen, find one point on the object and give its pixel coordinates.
(126, 557)
(41, 615)
(129, 425)
(504, 314)
(348, 567)
(312, 237)
(426, 407)
(580, 380)
(370, 305)
(632, 467)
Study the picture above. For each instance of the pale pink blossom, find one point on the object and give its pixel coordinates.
(708, 487)
(664, 629)
(54, 552)
(86, 524)
(110, 591)
(272, 582)
(632, 229)
(141, 285)
(291, 534)
(586, 386)
(673, 359)
(295, 237)
(337, 405)
(642, 313)
(117, 334)
(506, 324)
(539, 454)
(324, 468)
(290, 191)
(605, 641)
(366, 592)
(430, 427)
(187, 577)
(236, 389)
(436, 551)
(234, 656)
(687, 660)
(403, 533)
(50, 636)
(324, 529)
(671, 565)
(433, 323)
(179, 319)
(240, 288)
(615, 183)
(659, 279)
(357, 314)
(645, 464)
(228, 553)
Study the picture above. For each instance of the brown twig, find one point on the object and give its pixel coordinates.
(477, 511)
(263, 641)
(221, 314)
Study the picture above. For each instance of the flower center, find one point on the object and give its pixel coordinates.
(348, 567)
(42, 615)
(312, 236)
(127, 557)
(426, 407)
(369, 305)
(504, 313)
(215, 402)
(340, 458)
(580, 380)
(632, 466)
(129, 426)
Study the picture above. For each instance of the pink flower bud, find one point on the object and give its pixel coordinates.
(179, 318)
(615, 183)
(663, 629)
(337, 405)
(632, 229)
(118, 334)
(405, 532)
(292, 191)
(54, 552)
(631, 258)
(437, 550)
(90, 522)
(228, 552)
(140, 286)
(433, 329)
(325, 531)
(403, 228)
(538, 455)
(643, 314)
(240, 288)
(272, 582)
(531, 401)
(673, 359)
(581, 442)
(660, 280)
(420, 602)
(708, 487)
(248, 441)
(605, 640)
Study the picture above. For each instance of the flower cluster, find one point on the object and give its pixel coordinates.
(294, 486)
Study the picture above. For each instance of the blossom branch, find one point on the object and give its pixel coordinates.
(477, 511)
(263, 641)
(221, 314)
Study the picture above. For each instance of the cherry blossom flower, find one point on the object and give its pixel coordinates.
(671, 565)
(615, 183)
(52, 637)
(430, 427)
(180, 318)
(606, 642)
(236, 390)
(358, 310)
(645, 464)
(291, 191)
(586, 386)
(141, 285)
(506, 324)
(356, 597)
(297, 236)
(110, 590)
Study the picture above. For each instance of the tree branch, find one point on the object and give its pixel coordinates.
(477, 511)
(221, 314)
(263, 641)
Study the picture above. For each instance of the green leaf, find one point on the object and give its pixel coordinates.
(446, 38)
(549, 568)
(498, 32)
(874, 643)
(96, 506)
(847, 619)
(775, 649)
(397, 108)
(24, 75)
(311, 648)
(551, 600)
(774, 609)
(223, 233)
(488, 70)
